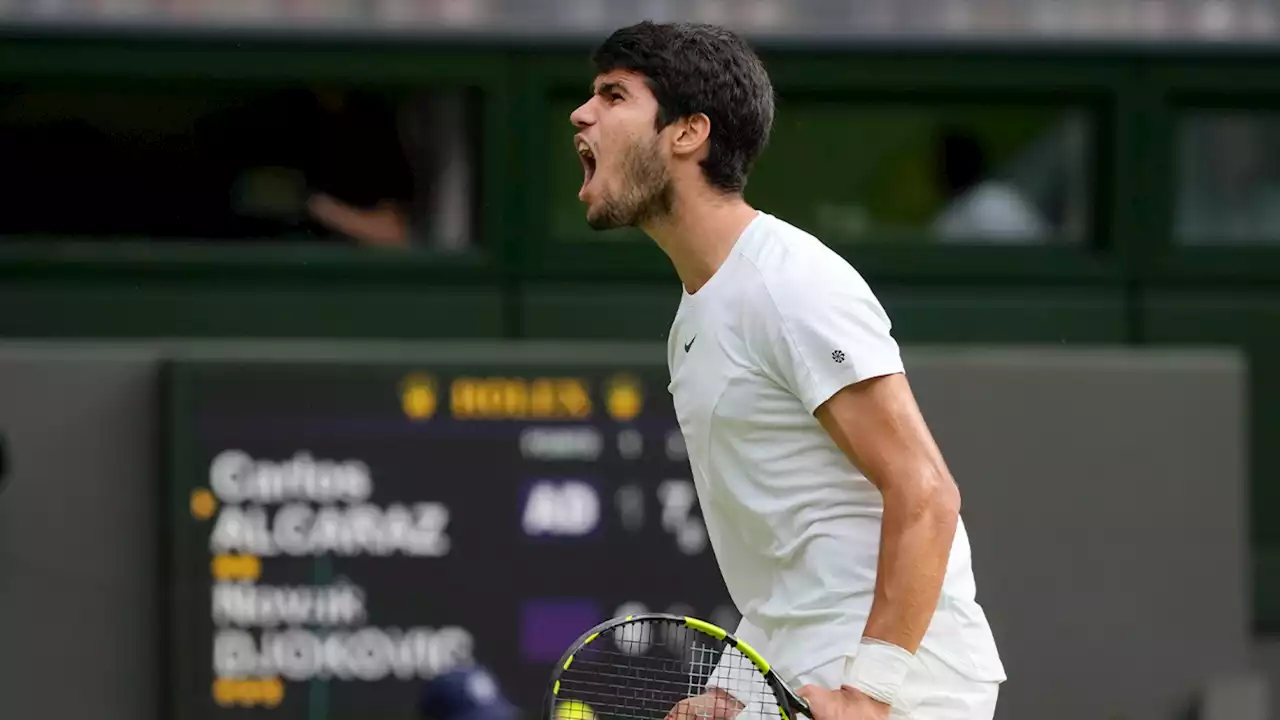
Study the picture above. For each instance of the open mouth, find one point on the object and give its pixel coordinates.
(588, 158)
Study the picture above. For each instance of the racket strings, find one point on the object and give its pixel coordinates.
(643, 670)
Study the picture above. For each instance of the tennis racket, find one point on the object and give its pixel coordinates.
(639, 667)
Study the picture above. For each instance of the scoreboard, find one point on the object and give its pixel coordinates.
(339, 534)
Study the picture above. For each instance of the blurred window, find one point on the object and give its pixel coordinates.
(852, 171)
(220, 162)
(1228, 178)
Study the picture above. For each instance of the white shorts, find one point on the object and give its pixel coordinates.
(932, 690)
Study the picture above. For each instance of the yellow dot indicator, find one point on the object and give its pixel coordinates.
(418, 397)
(251, 692)
(574, 710)
(624, 397)
(203, 504)
(228, 568)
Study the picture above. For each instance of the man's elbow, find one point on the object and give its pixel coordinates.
(933, 497)
(946, 496)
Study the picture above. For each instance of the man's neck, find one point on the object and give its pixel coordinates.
(699, 233)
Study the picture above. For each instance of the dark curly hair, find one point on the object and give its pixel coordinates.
(696, 68)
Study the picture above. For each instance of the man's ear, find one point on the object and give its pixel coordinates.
(692, 134)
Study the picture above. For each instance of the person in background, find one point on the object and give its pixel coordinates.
(468, 693)
(983, 207)
(431, 205)
(343, 164)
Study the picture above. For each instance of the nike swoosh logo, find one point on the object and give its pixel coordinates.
(690, 343)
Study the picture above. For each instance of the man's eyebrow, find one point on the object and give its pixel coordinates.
(606, 87)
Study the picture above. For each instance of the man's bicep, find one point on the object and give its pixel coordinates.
(879, 426)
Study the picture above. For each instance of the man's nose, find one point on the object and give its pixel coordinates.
(583, 116)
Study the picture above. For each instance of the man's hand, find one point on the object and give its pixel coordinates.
(714, 704)
(385, 224)
(846, 703)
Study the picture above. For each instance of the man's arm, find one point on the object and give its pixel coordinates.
(821, 333)
(878, 425)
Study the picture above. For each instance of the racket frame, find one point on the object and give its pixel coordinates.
(790, 705)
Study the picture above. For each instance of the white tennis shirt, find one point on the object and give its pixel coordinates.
(781, 326)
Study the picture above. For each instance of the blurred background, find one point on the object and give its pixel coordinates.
(316, 390)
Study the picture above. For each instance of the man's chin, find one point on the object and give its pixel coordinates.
(602, 224)
(604, 221)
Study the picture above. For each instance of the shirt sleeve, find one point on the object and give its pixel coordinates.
(822, 333)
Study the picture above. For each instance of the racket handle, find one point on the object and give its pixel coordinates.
(801, 706)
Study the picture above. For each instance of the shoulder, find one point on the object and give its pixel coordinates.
(796, 273)
(813, 323)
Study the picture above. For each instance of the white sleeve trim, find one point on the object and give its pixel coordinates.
(826, 390)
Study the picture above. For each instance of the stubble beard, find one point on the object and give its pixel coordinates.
(646, 191)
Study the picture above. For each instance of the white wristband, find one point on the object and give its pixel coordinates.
(879, 669)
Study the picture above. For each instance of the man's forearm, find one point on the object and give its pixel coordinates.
(918, 527)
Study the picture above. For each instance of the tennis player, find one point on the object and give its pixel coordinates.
(832, 514)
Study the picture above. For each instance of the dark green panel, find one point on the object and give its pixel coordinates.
(1014, 315)
(53, 309)
(1266, 591)
(1222, 224)
(1193, 88)
(140, 260)
(188, 74)
(231, 57)
(576, 311)
(1250, 320)
(954, 315)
